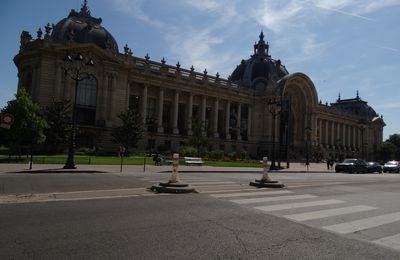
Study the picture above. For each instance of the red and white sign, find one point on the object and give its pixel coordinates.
(6, 120)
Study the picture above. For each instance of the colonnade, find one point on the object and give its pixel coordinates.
(347, 135)
(215, 104)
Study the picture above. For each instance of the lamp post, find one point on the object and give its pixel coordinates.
(74, 67)
(308, 132)
(275, 108)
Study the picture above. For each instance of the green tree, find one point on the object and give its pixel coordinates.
(198, 139)
(130, 132)
(395, 140)
(28, 127)
(58, 118)
(388, 151)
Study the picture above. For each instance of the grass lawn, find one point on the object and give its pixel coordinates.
(113, 160)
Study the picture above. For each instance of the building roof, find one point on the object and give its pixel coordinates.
(81, 27)
(356, 106)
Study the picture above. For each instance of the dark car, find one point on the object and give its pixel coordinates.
(374, 167)
(352, 165)
(391, 166)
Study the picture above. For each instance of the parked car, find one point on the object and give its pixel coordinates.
(374, 167)
(391, 166)
(352, 165)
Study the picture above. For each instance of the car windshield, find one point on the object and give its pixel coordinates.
(349, 160)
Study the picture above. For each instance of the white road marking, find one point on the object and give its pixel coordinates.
(255, 193)
(212, 183)
(391, 241)
(268, 199)
(362, 224)
(328, 213)
(222, 191)
(298, 205)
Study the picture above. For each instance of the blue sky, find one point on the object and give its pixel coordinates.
(342, 45)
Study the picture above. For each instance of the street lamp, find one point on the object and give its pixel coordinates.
(308, 132)
(275, 108)
(74, 67)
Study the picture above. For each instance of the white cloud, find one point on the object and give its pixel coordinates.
(134, 9)
(275, 16)
(372, 6)
(198, 48)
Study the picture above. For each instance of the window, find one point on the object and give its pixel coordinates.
(86, 99)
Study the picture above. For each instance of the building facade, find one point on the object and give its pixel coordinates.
(260, 108)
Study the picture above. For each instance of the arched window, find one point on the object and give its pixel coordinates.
(86, 101)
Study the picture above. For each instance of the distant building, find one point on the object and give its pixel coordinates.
(238, 113)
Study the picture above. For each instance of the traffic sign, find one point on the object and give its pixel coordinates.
(6, 121)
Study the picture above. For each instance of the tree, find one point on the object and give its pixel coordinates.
(388, 151)
(130, 132)
(28, 127)
(395, 140)
(58, 117)
(198, 139)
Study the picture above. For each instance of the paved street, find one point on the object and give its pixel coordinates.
(320, 215)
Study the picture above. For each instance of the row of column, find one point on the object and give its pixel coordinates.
(335, 133)
(175, 108)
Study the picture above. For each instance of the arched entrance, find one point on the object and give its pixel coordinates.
(297, 123)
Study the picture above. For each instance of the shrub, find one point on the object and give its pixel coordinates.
(187, 151)
(218, 154)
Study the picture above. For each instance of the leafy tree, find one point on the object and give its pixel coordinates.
(198, 139)
(388, 151)
(130, 132)
(58, 117)
(29, 125)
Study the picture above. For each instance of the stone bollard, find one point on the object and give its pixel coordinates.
(265, 177)
(175, 164)
(266, 181)
(174, 185)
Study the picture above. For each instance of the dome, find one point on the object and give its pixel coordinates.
(260, 70)
(81, 27)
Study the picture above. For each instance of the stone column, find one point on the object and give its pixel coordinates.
(111, 97)
(34, 83)
(127, 94)
(160, 128)
(248, 121)
(227, 113)
(144, 104)
(203, 115)
(215, 124)
(57, 88)
(326, 132)
(190, 114)
(239, 118)
(175, 129)
(105, 90)
(332, 133)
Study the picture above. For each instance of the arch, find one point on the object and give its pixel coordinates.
(301, 92)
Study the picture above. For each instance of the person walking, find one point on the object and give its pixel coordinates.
(328, 163)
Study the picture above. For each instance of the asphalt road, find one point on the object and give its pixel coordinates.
(112, 216)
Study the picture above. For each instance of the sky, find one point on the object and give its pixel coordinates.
(344, 46)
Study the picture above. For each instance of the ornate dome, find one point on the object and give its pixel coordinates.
(81, 27)
(260, 70)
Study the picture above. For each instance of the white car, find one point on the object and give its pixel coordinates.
(391, 166)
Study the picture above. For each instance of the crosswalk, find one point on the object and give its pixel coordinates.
(331, 214)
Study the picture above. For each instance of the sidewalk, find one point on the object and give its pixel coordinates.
(84, 168)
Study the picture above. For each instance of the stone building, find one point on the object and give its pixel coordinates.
(261, 107)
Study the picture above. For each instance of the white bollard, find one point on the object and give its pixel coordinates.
(175, 163)
(265, 176)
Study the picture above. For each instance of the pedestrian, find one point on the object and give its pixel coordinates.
(331, 162)
(328, 163)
